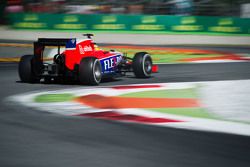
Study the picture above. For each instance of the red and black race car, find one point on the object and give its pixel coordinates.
(80, 60)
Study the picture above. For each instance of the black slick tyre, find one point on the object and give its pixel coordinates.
(142, 65)
(90, 71)
(25, 70)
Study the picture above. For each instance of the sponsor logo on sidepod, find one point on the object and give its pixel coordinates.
(85, 49)
(111, 62)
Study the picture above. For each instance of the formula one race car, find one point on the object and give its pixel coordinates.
(81, 60)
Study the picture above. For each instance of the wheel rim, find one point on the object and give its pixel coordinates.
(97, 71)
(147, 66)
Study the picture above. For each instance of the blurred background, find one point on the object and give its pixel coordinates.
(238, 8)
(210, 16)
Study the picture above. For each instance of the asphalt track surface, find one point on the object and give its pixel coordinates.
(33, 138)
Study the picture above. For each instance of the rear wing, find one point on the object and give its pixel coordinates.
(53, 41)
(40, 44)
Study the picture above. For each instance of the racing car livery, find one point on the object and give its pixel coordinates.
(81, 60)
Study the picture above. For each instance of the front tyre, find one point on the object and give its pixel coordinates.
(142, 65)
(90, 71)
(25, 69)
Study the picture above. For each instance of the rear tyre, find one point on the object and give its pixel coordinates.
(90, 71)
(142, 65)
(25, 70)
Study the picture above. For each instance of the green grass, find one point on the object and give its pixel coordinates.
(171, 93)
(52, 98)
(190, 112)
(176, 58)
(159, 56)
(174, 93)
